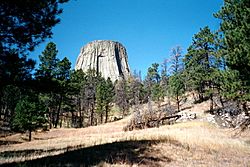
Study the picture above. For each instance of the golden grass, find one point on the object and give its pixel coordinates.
(191, 135)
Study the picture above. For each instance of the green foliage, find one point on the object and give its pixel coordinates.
(77, 81)
(231, 87)
(164, 78)
(15, 78)
(92, 80)
(29, 114)
(24, 24)
(201, 62)
(121, 96)
(235, 27)
(53, 79)
(212, 65)
(77, 100)
(9, 98)
(34, 19)
(177, 86)
(157, 92)
(104, 96)
(109, 91)
(63, 69)
(153, 73)
(101, 96)
(14, 69)
(152, 82)
(176, 81)
(48, 62)
(136, 91)
(49, 86)
(176, 60)
(63, 77)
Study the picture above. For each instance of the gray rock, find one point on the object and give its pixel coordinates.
(107, 57)
(187, 117)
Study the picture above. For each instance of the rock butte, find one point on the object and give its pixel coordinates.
(107, 57)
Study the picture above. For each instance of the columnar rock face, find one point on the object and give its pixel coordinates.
(107, 57)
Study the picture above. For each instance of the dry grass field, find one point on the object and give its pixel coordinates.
(192, 143)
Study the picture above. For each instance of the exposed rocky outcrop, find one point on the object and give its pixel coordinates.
(107, 57)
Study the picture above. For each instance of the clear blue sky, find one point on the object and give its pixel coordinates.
(147, 28)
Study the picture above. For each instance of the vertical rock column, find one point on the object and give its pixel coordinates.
(108, 57)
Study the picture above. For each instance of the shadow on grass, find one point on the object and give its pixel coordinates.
(128, 152)
(8, 142)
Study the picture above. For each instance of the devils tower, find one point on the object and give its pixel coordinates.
(107, 57)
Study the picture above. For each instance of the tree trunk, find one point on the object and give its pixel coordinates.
(58, 111)
(30, 135)
(123, 113)
(221, 101)
(82, 120)
(61, 121)
(101, 118)
(201, 99)
(211, 102)
(106, 113)
(50, 118)
(194, 97)
(80, 112)
(1, 104)
(178, 103)
(220, 97)
(92, 115)
(80, 125)
(5, 118)
(53, 117)
(72, 119)
(244, 107)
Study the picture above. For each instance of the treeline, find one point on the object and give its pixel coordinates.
(217, 64)
(23, 25)
(52, 94)
(32, 97)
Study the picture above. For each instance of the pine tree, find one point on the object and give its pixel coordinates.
(200, 64)
(100, 97)
(153, 75)
(136, 93)
(121, 96)
(110, 94)
(48, 62)
(165, 79)
(15, 79)
(152, 82)
(46, 77)
(62, 76)
(63, 69)
(10, 96)
(176, 81)
(92, 79)
(235, 27)
(104, 97)
(34, 19)
(29, 114)
(78, 100)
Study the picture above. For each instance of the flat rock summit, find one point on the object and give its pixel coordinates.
(107, 57)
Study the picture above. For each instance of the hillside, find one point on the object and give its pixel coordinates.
(192, 143)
